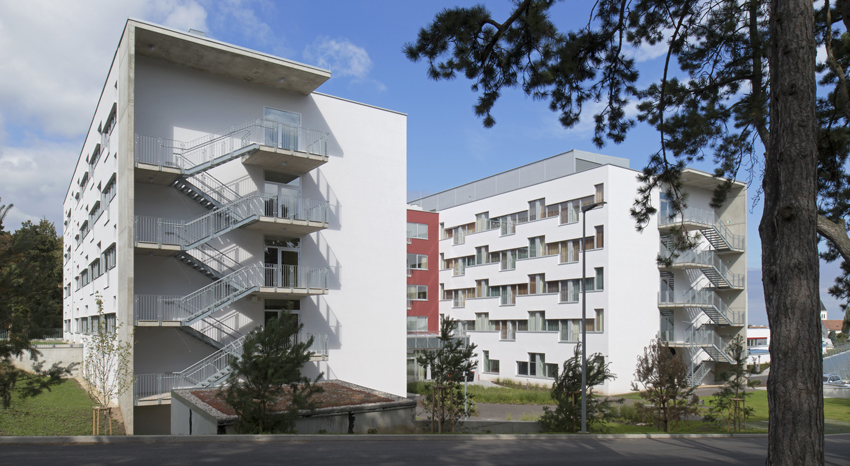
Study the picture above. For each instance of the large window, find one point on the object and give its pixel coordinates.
(535, 246)
(417, 292)
(482, 288)
(417, 230)
(417, 323)
(417, 261)
(536, 366)
(570, 290)
(482, 221)
(536, 284)
(109, 257)
(490, 365)
(536, 321)
(536, 210)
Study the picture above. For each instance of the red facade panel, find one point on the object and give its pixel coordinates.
(430, 277)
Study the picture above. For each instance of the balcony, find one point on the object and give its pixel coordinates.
(294, 281)
(709, 263)
(296, 216)
(259, 142)
(711, 227)
(706, 300)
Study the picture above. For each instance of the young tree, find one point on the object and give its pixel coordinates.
(108, 365)
(662, 380)
(730, 106)
(450, 365)
(268, 372)
(566, 391)
(30, 303)
(736, 382)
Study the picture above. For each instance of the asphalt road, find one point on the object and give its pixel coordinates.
(471, 451)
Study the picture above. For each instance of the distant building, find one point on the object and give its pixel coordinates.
(511, 266)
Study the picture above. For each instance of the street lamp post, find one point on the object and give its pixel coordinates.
(584, 210)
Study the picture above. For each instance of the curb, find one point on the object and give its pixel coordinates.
(162, 439)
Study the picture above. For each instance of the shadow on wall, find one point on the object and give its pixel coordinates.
(330, 324)
(317, 121)
(325, 192)
(334, 267)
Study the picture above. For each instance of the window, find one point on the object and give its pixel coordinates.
(482, 221)
(84, 277)
(417, 230)
(536, 321)
(79, 282)
(85, 322)
(490, 365)
(536, 366)
(417, 261)
(553, 210)
(78, 326)
(535, 246)
(552, 249)
(482, 288)
(570, 250)
(95, 324)
(600, 237)
(482, 321)
(552, 287)
(95, 269)
(536, 284)
(536, 209)
(417, 323)
(600, 191)
(459, 296)
(108, 192)
(417, 292)
(570, 330)
(84, 230)
(570, 290)
(482, 255)
(569, 212)
(599, 322)
(522, 368)
(109, 257)
(68, 326)
(110, 323)
(600, 279)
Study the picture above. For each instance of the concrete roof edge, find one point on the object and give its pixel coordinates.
(736, 183)
(268, 56)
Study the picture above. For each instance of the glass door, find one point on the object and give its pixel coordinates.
(281, 258)
(282, 128)
(282, 195)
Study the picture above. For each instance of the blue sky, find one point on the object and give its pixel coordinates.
(54, 57)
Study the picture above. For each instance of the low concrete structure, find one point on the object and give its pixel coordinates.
(199, 412)
(836, 392)
(61, 353)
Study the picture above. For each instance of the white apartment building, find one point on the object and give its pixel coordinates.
(511, 269)
(215, 188)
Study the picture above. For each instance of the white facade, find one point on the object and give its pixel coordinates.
(239, 193)
(526, 320)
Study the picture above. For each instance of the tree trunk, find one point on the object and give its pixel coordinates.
(789, 241)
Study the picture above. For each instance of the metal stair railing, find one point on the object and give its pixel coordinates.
(707, 258)
(214, 189)
(214, 149)
(215, 330)
(709, 220)
(216, 363)
(202, 302)
(212, 259)
(704, 337)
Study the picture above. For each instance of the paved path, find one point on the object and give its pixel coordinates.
(460, 450)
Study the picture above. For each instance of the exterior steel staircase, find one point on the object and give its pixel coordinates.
(709, 263)
(706, 300)
(711, 227)
(208, 261)
(215, 149)
(705, 338)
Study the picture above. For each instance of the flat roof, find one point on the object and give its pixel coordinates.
(213, 56)
(550, 168)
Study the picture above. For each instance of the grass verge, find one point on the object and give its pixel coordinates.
(65, 410)
(495, 395)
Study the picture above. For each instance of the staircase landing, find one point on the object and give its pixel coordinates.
(284, 160)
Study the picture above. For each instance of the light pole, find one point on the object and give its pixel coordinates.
(584, 210)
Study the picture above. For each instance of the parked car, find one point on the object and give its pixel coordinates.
(832, 379)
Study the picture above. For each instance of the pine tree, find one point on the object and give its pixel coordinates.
(450, 365)
(268, 372)
(661, 377)
(736, 382)
(566, 391)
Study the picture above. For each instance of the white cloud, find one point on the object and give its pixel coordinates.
(35, 177)
(343, 58)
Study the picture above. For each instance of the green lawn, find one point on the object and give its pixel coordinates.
(496, 395)
(65, 410)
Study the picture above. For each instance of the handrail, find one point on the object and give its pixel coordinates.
(214, 259)
(190, 154)
(213, 188)
(705, 257)
(700, 298)
(708, 218)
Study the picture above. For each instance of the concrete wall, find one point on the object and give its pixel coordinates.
(61, 354)
(152, 420)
